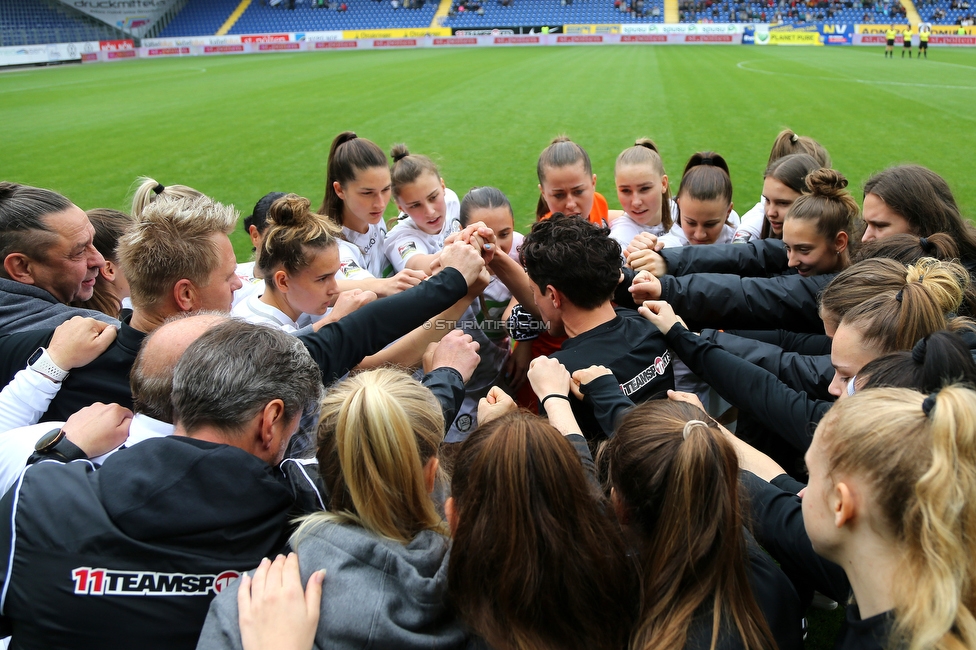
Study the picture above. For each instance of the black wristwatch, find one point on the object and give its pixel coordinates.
(56, 446)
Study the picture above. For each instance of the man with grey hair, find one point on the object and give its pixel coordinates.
(164, 525)
(47, 259)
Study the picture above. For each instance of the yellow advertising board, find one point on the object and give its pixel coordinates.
(794, 38)
(417, 32)
(900, 27)
(591, 29)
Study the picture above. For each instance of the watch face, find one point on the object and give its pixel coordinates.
(49, 439)
(34, 357)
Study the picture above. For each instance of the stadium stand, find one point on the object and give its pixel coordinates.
(790, 11)
(29, 22)
(200, 18)
(543, 12)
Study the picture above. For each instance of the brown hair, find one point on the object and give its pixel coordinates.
(536, 561)
(292, 230)
(561, 152)
(828, 204)
(678, 479)
(858, 283)
(644, 152)
(348, 155)
(408, 167)
(788, 142)
(923, 198)
(792, 171)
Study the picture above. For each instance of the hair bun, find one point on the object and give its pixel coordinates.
(399, 152)
(560, 138)
(289, 210)
(647, 143)
(7, 189)
(825, 182)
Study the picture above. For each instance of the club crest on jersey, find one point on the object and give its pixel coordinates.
(407, 249)
(110, 582)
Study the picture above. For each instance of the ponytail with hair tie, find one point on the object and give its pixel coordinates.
(918, 352)
(689, 425)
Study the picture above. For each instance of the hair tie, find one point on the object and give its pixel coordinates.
(918, 352)
(688, 425)
(794, 138)
(159, 189)
(707, 161)
(926, 245)
(900, 295)
(929, 403)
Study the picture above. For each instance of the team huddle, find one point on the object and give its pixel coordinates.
(665, 426)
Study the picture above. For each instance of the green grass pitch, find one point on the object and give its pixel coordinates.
(236, 127)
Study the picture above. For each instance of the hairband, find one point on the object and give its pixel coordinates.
(707, 161)
(926, 245)
(688, 425)
(159, 189)
(929, 403)
(918, 352)
(794, 138)
(900, 295)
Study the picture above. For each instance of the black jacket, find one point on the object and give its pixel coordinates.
(336, 347)
(633, 349)
(130, 556)
(760, 258)
(806, 373)
(791, 414)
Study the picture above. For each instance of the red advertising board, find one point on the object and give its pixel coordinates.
(515, 40)
(644, 38)
(596, 38)
(106, 46)
(334, 45)
(215, 49)
(455, 40)
(265, 38)
(267, 47)
(395, 42)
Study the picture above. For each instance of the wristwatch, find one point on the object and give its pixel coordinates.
(55, 445)
(41, 362)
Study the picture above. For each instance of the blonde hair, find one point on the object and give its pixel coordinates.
(377, 430)
(896, 320)
(170, 241)
(292, 229)
(151, 190)
(919, 455)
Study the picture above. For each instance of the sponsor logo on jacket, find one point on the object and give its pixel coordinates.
(647, 375)
(110, 582)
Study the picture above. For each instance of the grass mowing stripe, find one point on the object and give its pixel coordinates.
(237, 127)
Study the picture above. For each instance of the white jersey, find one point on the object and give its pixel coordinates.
(253, 310)
(624, 228)
(752, 221)
(361, 252)
(676, 236)
(407, 239)
(250, 285)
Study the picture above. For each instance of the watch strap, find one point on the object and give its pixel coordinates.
(60, 449)
(45, 366)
